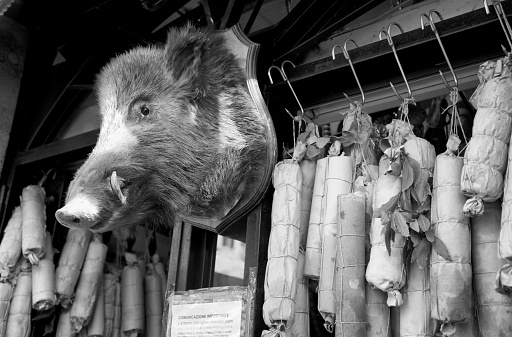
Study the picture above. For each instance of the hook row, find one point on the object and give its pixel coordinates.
(387, 34)
(424, 20)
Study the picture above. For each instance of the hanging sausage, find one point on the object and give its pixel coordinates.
(485, 159)
(300, 326)
(492, 307)
(33, 216)
(43, 279)
(10, 247)
(70, 264)
(89, 284)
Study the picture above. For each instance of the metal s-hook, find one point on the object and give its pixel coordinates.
(505, 25)
(272, 82)
(270, 75)
(347, 56)
(380, 35)
(434, 29)
(285, 78)
(423, 15)
(283, 73)
(390, 42)
(334, 58)
(333, 49)
(502, 12)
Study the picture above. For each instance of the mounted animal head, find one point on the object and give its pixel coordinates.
(179, 134)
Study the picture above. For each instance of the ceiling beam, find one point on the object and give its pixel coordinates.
(85, 141)
(208, 13)
(252, 18)
(297, 33)
(232, 14)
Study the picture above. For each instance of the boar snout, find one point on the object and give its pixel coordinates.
(94, 201)
(78, 213)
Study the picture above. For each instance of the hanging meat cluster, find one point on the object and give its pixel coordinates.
(108, 299)
(88, 296)
(396, 253)
(27, 278)
(307, 230)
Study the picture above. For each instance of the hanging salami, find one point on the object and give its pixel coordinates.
(450, 279)
(350, 266)
(485, 159)
(10, 247)
(333, 177)
(43, 279)
(300, 326)
(18, 322)
(338, 178)
(493, 308)
(89, 284)
(70, 264)
(386, 270)
(33, 214)
(283, 249)
(504, 277)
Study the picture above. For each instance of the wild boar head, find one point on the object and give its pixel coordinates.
(179, 134)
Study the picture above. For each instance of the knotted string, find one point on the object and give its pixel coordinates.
(455, 123)
(474, 205)
(275, 331)
(404, 108)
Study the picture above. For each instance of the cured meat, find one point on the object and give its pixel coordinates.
(485, 159)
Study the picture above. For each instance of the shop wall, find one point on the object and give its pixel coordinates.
(13, 46)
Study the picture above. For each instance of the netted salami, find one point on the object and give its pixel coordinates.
(485, 158)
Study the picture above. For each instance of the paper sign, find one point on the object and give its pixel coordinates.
(218, 319)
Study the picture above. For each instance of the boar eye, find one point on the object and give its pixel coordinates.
(144, 111)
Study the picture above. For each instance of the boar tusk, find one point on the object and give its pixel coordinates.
(114, 184)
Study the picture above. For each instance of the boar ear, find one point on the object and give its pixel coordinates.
(185, 50)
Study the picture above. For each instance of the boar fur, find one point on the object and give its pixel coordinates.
(180, 130)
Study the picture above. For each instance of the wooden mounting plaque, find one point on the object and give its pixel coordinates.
(246, 53)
